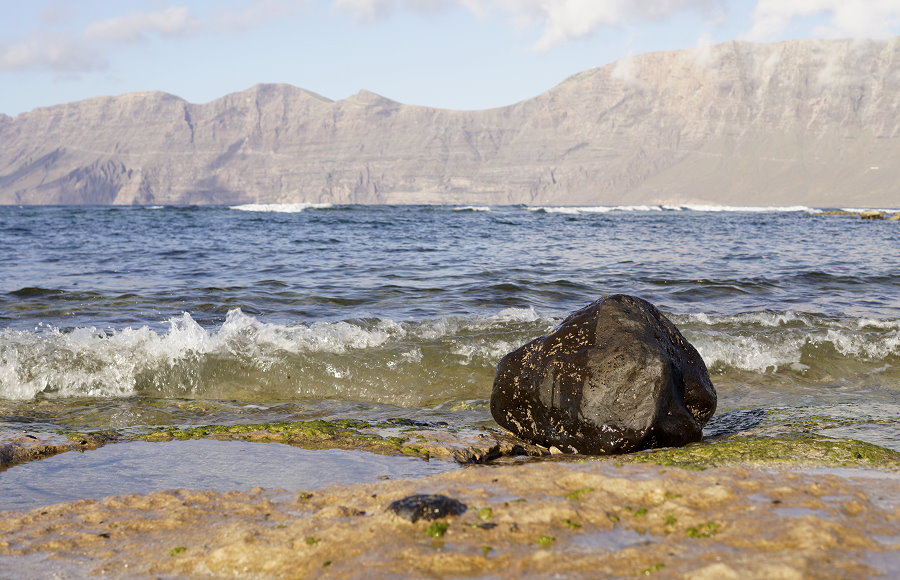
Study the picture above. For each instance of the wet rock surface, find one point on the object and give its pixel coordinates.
(614, 377)
(426, 507)
(551, 519)
(20, 447)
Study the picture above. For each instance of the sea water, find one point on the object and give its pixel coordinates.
(130, 317)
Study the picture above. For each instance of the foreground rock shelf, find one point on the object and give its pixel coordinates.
(738, 505)
(581, 519)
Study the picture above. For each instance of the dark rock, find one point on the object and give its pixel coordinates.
(614, 377)
(427, 507)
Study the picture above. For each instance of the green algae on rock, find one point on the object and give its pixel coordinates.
(792, 448)
(16, 447)
(468, 445)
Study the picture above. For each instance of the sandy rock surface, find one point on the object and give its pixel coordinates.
(532, 519)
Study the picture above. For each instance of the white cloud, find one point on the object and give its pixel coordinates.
(558, 20)
(846, 18)
(372, 9)
(46, 49)
(255, 14)
(566, 20)
(703, 52)
(54, 52)
(171, 21)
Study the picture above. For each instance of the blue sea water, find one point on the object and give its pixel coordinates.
(128, 317)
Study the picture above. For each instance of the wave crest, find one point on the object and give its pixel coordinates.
(379, 360)
(280, 207)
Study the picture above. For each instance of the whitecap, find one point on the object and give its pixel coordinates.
(280, 207)
(746, 208)
(472, 208)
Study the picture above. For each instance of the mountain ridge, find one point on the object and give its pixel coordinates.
(809, 122)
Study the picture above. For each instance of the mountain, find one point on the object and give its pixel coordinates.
(809, 122)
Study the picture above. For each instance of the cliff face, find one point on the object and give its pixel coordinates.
(803, 122)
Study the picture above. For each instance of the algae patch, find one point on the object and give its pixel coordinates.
(792, 448)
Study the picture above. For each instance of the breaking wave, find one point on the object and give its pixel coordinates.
(378, 360)
(404, 363)
(473, 208)
(813, 345)
(280, 207)
(573, 210)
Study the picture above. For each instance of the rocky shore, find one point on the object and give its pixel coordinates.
(569, 519)
(869, 214)
(734, 506)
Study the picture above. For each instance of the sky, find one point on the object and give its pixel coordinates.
(454, 54)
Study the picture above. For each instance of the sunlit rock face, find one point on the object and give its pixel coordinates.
(809, 122)
(614, 377)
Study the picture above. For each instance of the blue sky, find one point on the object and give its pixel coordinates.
(457, 54)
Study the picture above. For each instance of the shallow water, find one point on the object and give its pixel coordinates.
(141, 467)
(131, 317)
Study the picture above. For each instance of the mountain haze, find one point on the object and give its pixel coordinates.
(809, 122)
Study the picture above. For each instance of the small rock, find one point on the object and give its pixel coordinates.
(872, 214)
(614, 377)
(427, 507)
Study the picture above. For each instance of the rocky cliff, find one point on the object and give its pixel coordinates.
(809, 122)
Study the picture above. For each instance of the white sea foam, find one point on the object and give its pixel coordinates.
(88, 362)
(745, 208)
(455, 325)
(280, 207)
(886, 210)
(390, 361)
(574, 210)
(188, 358)
(472, 208)
(766, 319)
(796, 348)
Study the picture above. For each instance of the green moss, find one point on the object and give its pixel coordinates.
(702, 531)
(571, 525)
(92, 439)
(485, 550)
(311, 540)
(578, 493)
(546, 541)
(485, 513)
(793, 448)
(176, 551)
(314, 434)
(654, 568)
(437, 529)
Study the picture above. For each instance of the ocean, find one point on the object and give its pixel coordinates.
(132, 317)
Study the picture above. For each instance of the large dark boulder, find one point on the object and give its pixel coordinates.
(614, 377)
